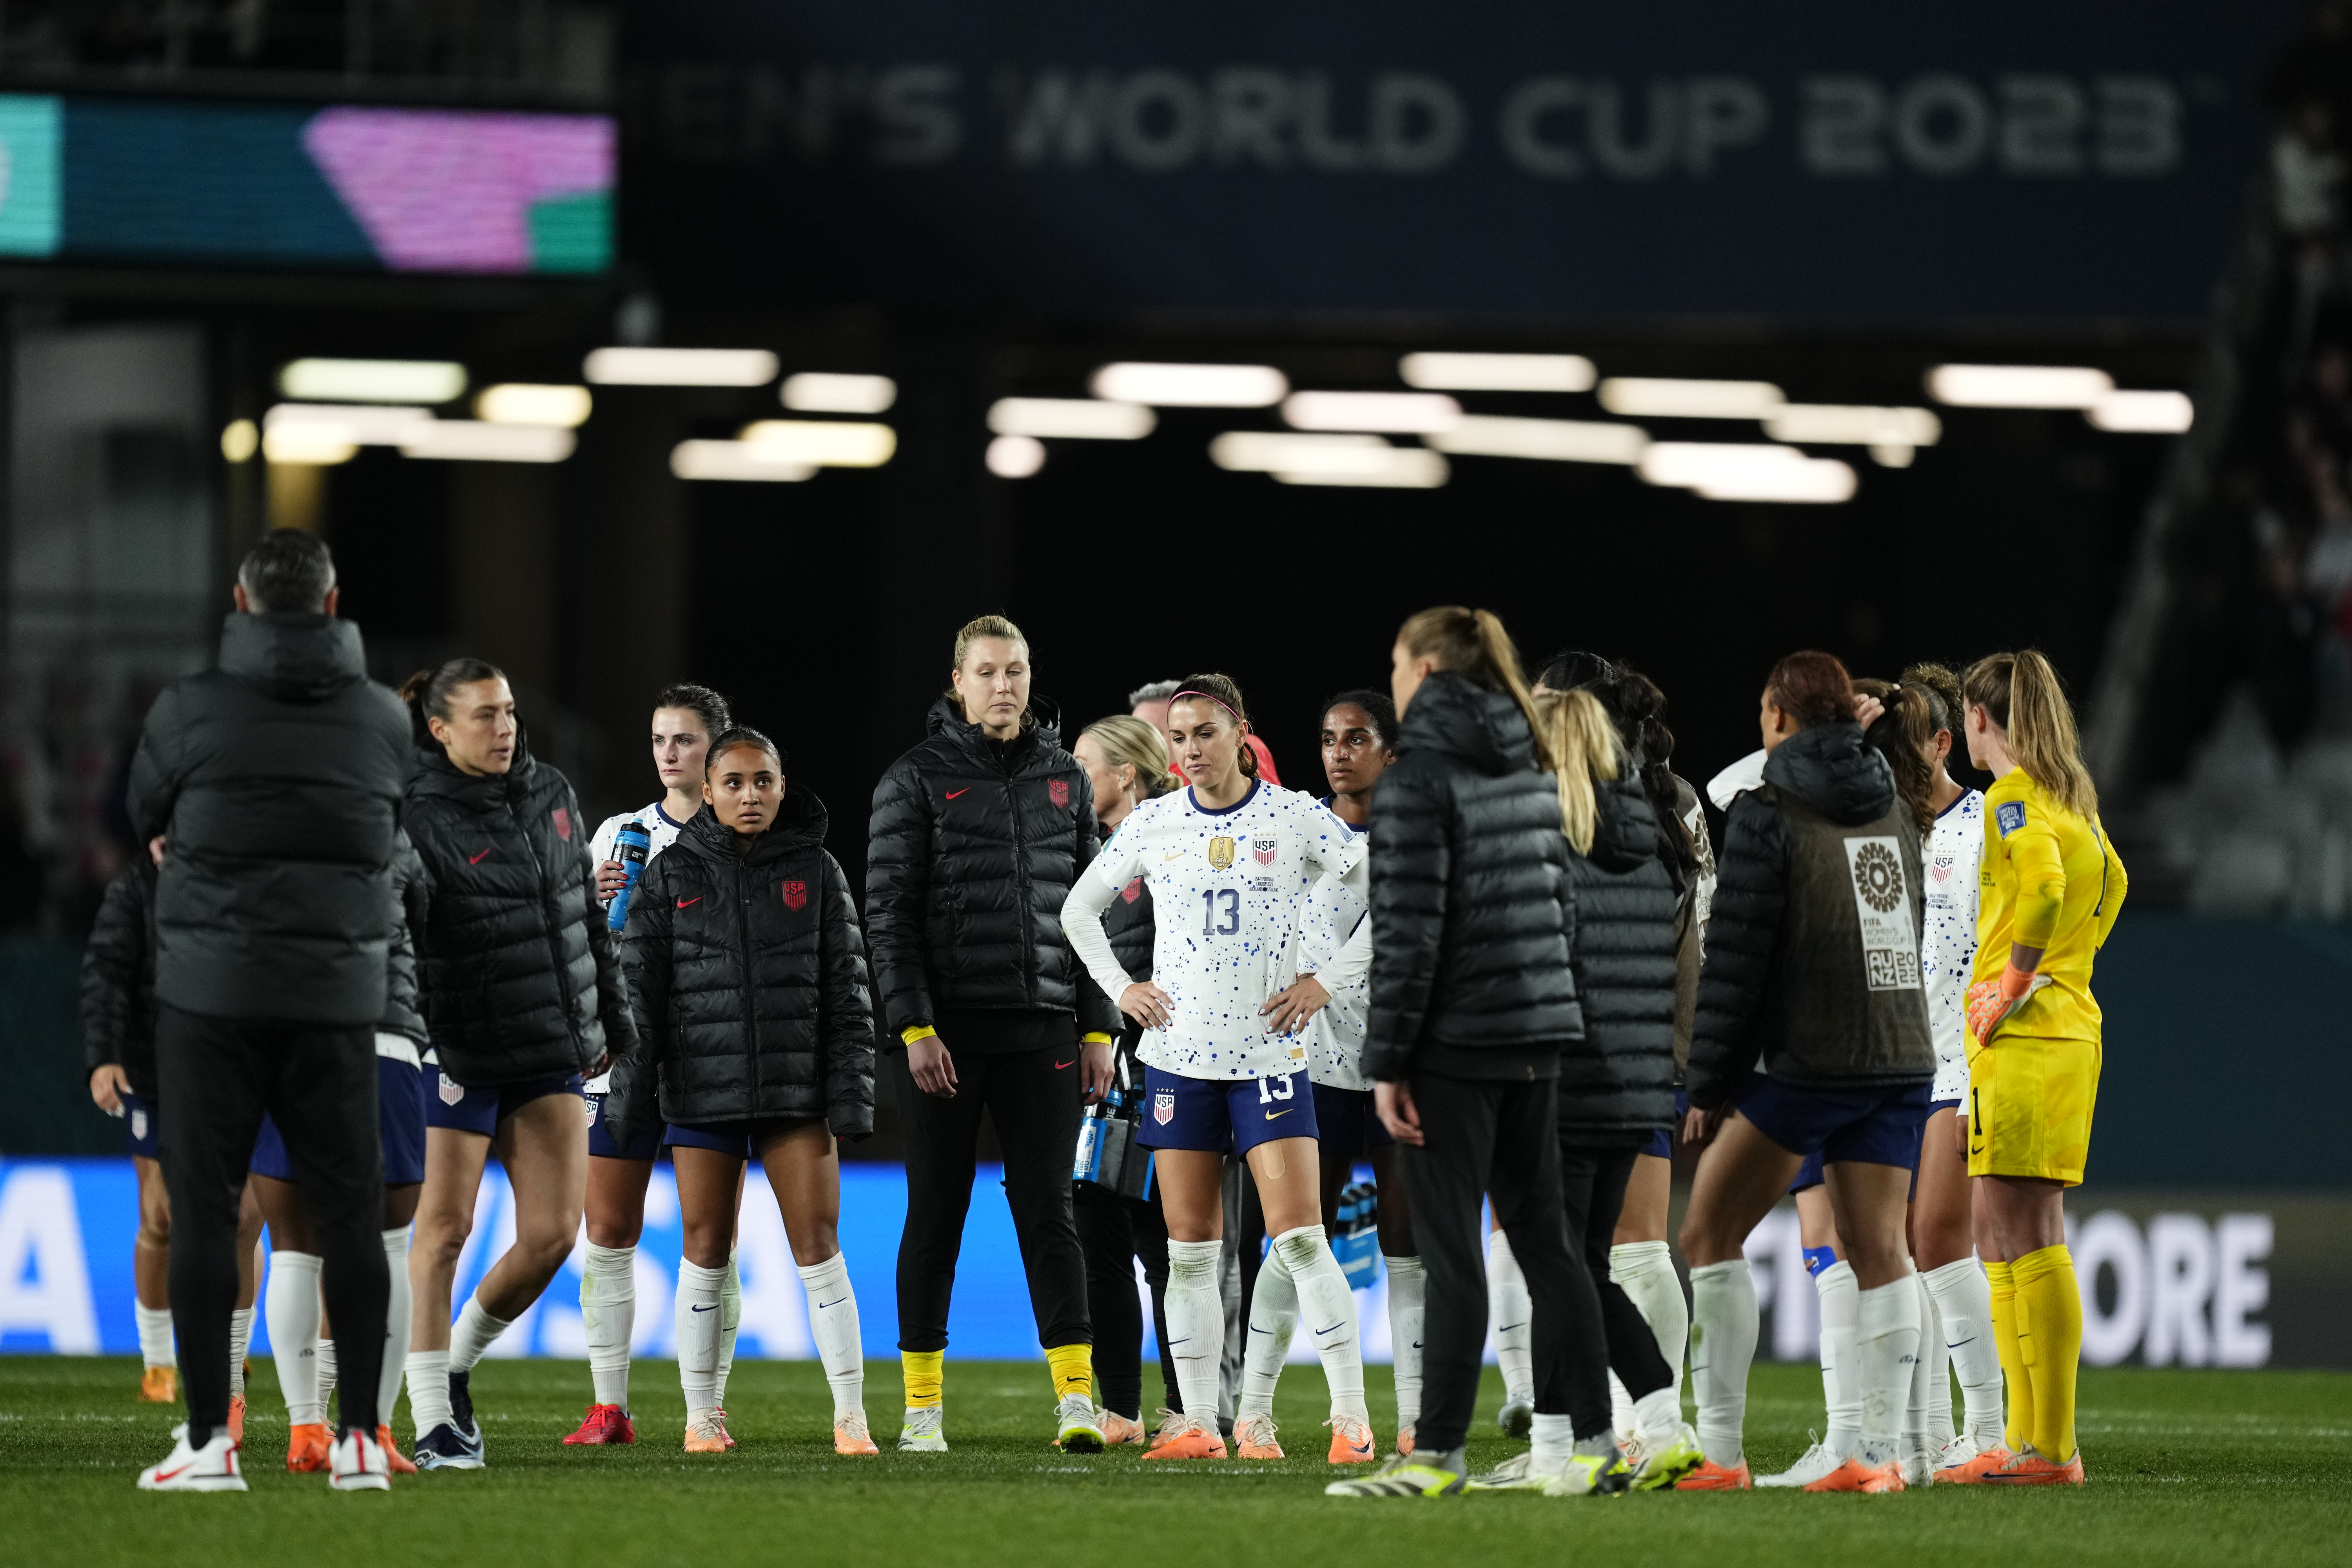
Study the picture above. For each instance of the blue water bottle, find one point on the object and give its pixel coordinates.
(631, 845)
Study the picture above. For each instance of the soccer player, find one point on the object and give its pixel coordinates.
(685, 718)
(1359, 741)
(747, 972)
(1228, 861)
(523, 994)
(2051, 885)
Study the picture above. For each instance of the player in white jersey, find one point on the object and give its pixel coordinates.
(685, 717)
(1229, 861)
(1359, 741)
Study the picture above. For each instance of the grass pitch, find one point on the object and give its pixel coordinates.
(2186, 1468)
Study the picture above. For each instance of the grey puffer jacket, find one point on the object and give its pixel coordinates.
(1618, 1083)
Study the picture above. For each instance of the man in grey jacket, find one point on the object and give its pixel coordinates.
(275, 777)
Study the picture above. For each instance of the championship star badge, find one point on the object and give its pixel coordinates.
(1221, 853)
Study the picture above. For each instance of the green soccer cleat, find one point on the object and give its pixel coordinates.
(1080, 1429)
(1516, 1474)
(924, 1431)
(1669, 1462)
(1402, 1477)
(1591, 1475)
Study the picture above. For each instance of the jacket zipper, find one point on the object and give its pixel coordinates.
(1021, 886)
(743, 883)
(554, 943)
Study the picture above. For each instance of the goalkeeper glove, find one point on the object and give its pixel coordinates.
(1989, 1002)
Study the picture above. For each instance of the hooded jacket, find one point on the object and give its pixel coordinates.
(118, 978)
(974, 847)
(747, 974)
(1472, 916)
(277, 777)
(1813, 945)
(521, 976)
(1617, 1085)
(411, 891)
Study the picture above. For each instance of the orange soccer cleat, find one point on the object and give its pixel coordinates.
(1172, 1425)
(2030, 1469)
(604, 1424)
(1352, 1441)
(236, 1419)
(1711, 1477)
(398, 1463)
(1853, 1476)
(1196, 1439)
(1975, 1469)
(1253, 1438)
(306, 1448)
(159, 1385)
(850, 1435)
(1404, 1439)
(1119, 1430)
(704, 1435)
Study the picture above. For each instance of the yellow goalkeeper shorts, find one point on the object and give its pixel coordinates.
(2029, 1103)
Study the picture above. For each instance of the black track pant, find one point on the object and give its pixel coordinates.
(318, 1083)
(1035, 1107)
(1498, 1141)
(1592, 1190)
(1115, 1232)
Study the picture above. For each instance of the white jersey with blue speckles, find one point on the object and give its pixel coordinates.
(1327, 917)
(663, 833)
(1947, 949)
(1226, 887)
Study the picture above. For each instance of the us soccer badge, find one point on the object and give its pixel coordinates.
(1221, 853)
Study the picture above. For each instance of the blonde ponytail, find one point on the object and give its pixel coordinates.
(1585, 751)
(2021, 693)
(1127, 739)
(1474, 643)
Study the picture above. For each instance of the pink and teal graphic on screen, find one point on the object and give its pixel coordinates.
(407, 190)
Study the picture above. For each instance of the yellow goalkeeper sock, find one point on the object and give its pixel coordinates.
(2046, 1287)
(1072, 1367)
(2008, 1330)
(925, 1371)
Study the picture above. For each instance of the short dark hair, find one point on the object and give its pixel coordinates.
(704, 703)
(1813, 689)
(1377, 705)
(291, 569)
(736, 739)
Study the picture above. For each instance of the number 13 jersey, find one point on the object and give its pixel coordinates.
(1225, 890)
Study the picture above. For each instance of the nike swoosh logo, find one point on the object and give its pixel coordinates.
(1327, 1330)
(953, 792)
(1272, 1114)
(1416, 1344)
(706, 1308)
(821, 1306)
(162, 1476)
(1970, 1340)
(1178, 856)
(1507, 1327)
(683, 903)
(470, 860)
(1059, 1065)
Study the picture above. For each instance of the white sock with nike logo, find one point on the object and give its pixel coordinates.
(1196, 1323)
(1331, 1309)
(1408, 1306)
(833, 1324)
(1272, 1321)
(1963, 1301)
(697, 1318)
(1511, 1315)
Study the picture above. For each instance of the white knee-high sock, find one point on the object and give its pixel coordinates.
(1964, 1302)
(1273, 1319)
(731, 1316)
(832, 1324)
(475, 1332)
(608, 1311)
(1621, 1409)
(1644, 1271)
(328, 1373)
(156, 1345)
(1196, 1323)
(1888, 1340)
(1841, 1371)
(289, 1300)
(696, 1319)
(1511, 1314)
(428, 1389)
(1331, 1309)
(399, 1316)
(1928, 1427)
(1722, 1344)
(240, 1335)
(1408, 1307)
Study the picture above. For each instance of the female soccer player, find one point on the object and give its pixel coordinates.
(1127, 762)
(1812, 972)
(747, 972)
(976, 838)
(523, 995)
(685, 717)
(1229, 861)
(2051, 886)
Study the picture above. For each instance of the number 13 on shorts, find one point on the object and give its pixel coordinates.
(1279, 1087)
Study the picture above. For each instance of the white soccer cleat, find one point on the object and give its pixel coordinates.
(356, 1464)
(1919, 1464)
(924, 1431)
(1078, 1426)
(1960, 1451)
(211, 1468)
(1516, 1417)
(1818, 1460)
(1516, 1474)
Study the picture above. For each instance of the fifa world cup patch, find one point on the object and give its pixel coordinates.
(1890, 947)
(1221, 853)
(2009, 816)
(1163, 1106)
(452, 1091)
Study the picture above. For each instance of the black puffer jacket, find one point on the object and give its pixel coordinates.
(975, 845)
(1812, 947)
(1472, 916)
(118, 978)
(1128, 925)
(747, 972)
(278, 777)
(1618, 1084)
(412, 887)
(522, 978)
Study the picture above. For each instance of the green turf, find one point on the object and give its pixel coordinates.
(2186, 1468)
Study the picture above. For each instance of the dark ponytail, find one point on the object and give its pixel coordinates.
(741, 737)
(428, 692)
(1638, 708)
(701, 701)
(1906, 736)
(1223, 690)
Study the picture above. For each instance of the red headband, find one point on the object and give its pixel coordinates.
(1205, 697)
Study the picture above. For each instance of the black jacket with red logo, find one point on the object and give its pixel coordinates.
(521, 976)
(974, 845)
(747, 970)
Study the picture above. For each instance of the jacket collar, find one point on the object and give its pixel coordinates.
(1831, 769)
(1042, 733)
(432, 773)
(1457, 717)
(291, 656)
(800, 825)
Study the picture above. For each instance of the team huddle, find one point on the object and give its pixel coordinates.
(1500, 959)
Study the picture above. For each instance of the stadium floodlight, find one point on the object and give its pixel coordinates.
(479, 441)
(1402, 413)
(1689, 464)
(1015, 457)
(239, 440)
(2149, 413)
(1820, 480)
(680, 367)
(1190, 385)
(1329, 460)
(822, 392)
(1551, 440)
(825, 443)
(1845, 425)
(1667, 398)
(373, 380)
(1496, 372)
(528, 403)
(357, 425)
(1413, 468)
(318, 445)
(1070, 419)
(2019, 386)
(734, 460)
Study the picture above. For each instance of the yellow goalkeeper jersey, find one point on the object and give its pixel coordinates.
(2052, 881)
